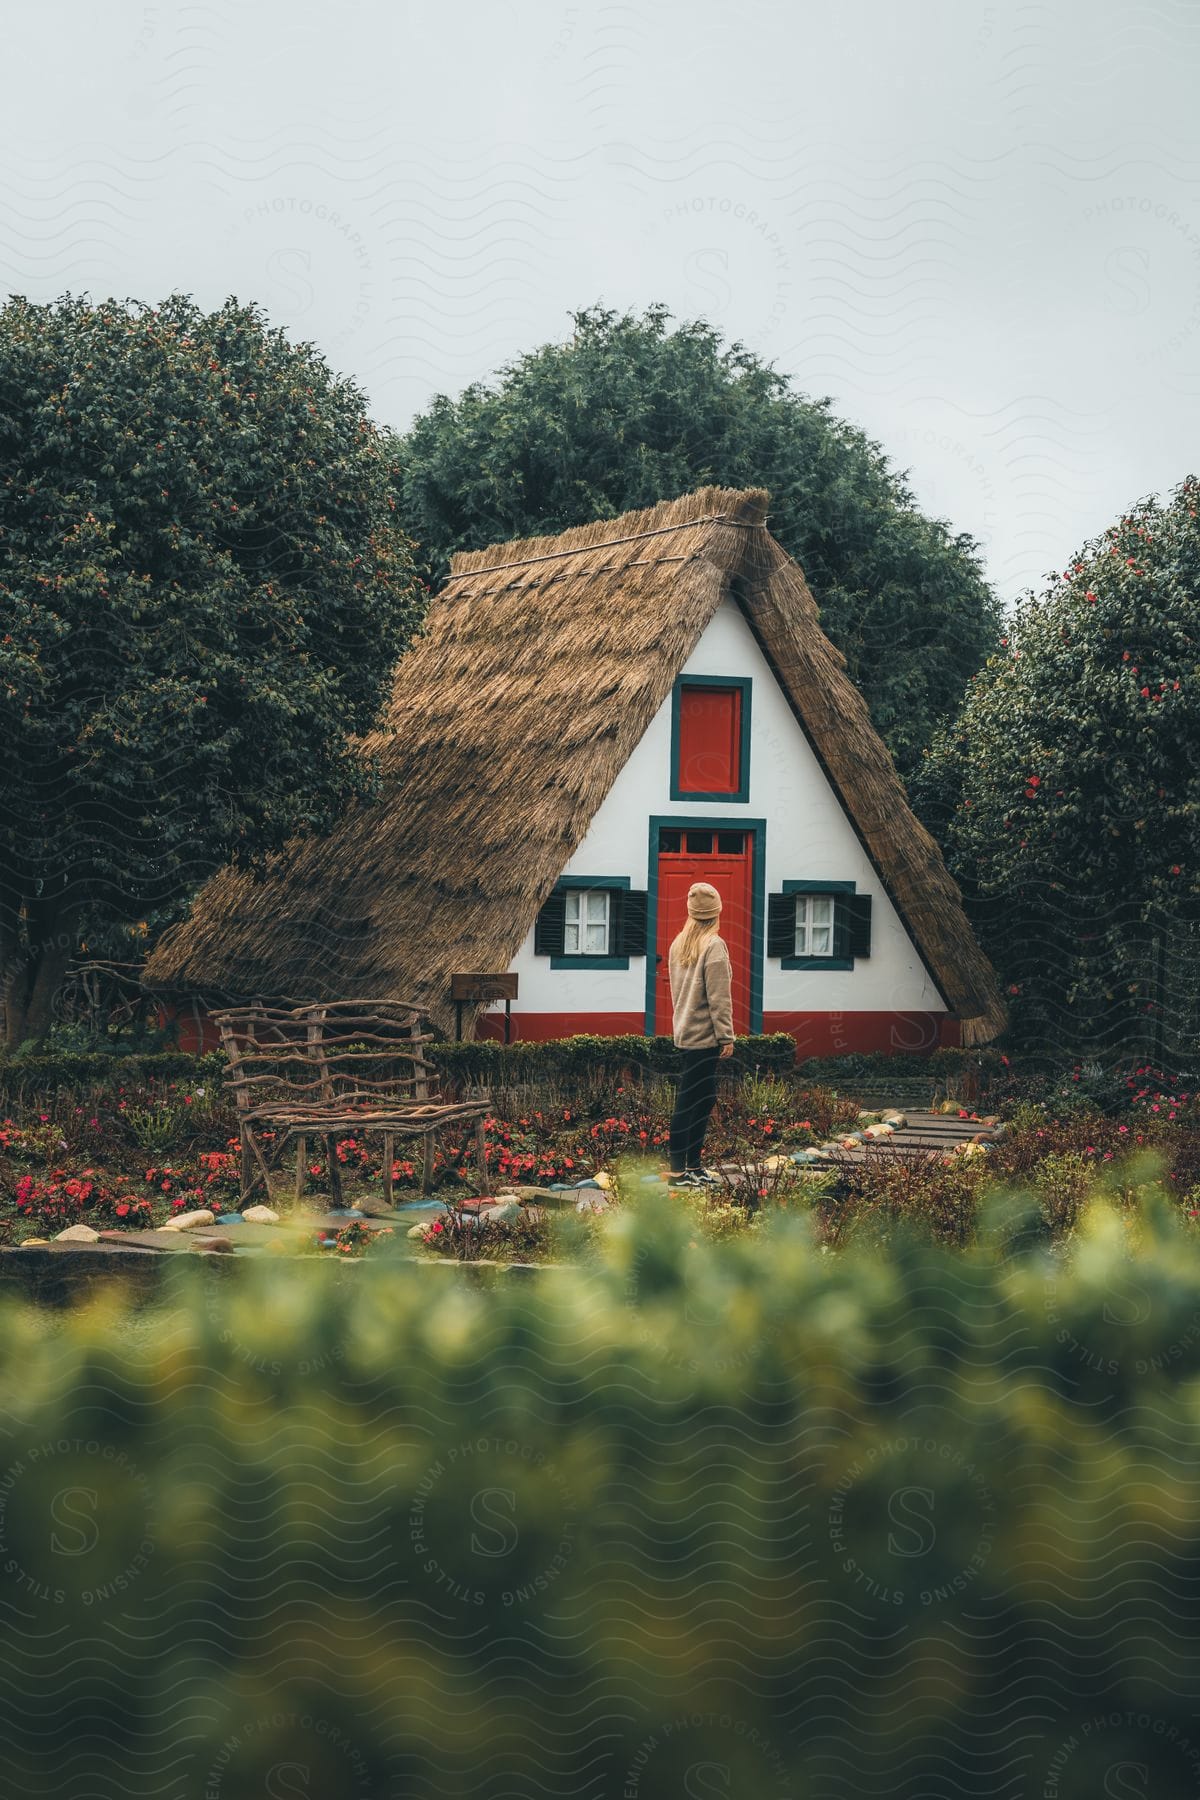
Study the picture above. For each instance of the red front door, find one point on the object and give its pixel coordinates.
(725, 860)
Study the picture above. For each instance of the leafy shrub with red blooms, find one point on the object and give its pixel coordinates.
(355, 1239)
(1098, 1140)
(640, 1132)
(57, 1202)
(122, 1209)
(165, 1179)
(457, 1233)
(352, 1153)
(1067, 793)
(219, 1170)
(191, 1199)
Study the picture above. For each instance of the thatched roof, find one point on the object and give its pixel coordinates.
(542, 664)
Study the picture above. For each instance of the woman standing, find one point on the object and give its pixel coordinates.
(702, 1024)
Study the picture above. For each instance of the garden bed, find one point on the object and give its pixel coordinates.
(131, 1156)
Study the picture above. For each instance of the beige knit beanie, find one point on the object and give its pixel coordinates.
(703, 902)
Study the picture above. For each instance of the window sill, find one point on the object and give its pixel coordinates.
(589, 962)
(816, 962)
(741, 798)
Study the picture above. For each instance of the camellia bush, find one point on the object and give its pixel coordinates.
(709, 1518)
(203, 592)
(1067, 794)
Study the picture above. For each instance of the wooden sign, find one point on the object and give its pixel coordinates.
(483, 987)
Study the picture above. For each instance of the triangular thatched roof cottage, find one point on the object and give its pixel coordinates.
(590, 723)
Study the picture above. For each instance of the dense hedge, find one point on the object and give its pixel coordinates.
(83, 1070)
(905, 1066)
(598, 1061)
(733, 1518)
(601, 1059)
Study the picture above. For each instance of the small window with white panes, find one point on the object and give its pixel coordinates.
(586, 922)
(814, 925)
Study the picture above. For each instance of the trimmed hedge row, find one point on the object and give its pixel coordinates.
(595, 1058)
(611, 1060)
(879, 1066)
(728, 1518)
(87, 1071)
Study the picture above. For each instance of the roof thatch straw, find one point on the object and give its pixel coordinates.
(542, 664)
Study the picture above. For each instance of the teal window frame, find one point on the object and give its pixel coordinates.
(572, 883)
(832, 963)
(745, 682)
(756, 828)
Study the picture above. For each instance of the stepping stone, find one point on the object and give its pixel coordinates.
(150, 1240)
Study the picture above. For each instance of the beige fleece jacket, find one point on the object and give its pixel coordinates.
(700, 998)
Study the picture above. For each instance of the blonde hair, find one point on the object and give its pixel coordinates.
(689, 943)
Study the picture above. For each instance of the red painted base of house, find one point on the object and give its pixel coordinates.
(195, 1031)
(816, 1034)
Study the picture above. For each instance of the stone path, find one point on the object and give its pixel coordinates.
(937, 1135)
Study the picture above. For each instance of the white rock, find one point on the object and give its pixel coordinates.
(504, 1214)
(188, 1221)
(77, 1234)
(261, 1215)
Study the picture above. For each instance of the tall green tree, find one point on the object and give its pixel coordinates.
(1067, 794)
(203, 589)
(631, 412)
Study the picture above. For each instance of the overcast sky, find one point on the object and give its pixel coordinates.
(976, 226)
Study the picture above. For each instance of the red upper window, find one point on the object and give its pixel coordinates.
(710, 740)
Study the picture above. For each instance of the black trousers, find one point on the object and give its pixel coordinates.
(694, 1101)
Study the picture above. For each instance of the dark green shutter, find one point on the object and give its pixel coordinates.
(630, 909)
(548, 931)
(858, 907)
(841, 927)
(852, 925)
(781, 924)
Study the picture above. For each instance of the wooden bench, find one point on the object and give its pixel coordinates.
(333, 1069)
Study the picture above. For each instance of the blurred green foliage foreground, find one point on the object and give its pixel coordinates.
(696, 1519)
